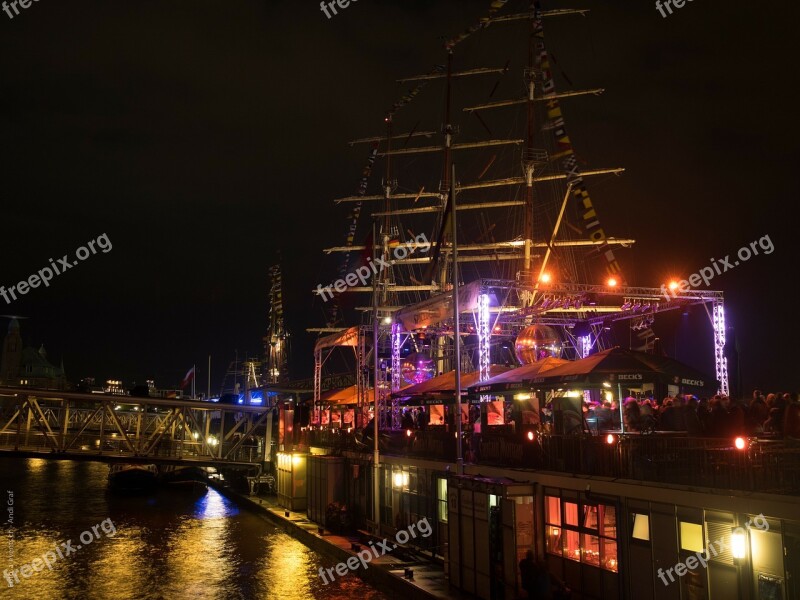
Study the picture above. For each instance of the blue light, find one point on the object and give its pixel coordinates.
(213, 505)
(256, 397)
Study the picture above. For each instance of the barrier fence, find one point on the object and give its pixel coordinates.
(765, 465)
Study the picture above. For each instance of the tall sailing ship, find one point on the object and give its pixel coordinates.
(474, 243)
(537, 273)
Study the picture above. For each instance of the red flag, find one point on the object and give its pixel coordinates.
(188, 378)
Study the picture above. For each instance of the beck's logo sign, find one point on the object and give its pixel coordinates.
(635, 377)
(694, 382)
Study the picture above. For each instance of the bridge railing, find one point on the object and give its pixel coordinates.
(90, 445)
(72, 424)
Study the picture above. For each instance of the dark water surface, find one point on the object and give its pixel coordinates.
(167, 545)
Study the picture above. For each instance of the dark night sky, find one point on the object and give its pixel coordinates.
(202, 137)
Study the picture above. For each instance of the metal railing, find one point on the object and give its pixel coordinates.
(762, 465)
(69, 424)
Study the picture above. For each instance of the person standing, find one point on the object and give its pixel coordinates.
(528, 574)
(538, 582)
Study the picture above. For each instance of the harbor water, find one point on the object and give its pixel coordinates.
(161, 545)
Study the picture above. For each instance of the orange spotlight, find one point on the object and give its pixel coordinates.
(611, 438)
(408, 433)
(612, 282)
(530, 436)
(739, 442)
(673, 285)
(545, 278)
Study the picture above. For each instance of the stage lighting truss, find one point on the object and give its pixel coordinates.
(642, 323)
(553, 301)
(637, 305)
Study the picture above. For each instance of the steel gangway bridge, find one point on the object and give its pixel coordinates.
(126, 429)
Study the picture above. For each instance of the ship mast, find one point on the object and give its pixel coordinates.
(528, 158)
(381, 291)
(448, 186)
(276, 340)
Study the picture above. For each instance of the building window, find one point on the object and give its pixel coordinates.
(590, 516)
(585, 533)
(572, 545)
(552, 507)
(692, 537)
(641, 527)
(590, 549)
(599, 546)
(442, 499)
(608, 551)
(386, 507)
(571, 514)
(552, 517)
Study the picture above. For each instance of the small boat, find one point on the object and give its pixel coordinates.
(130, 477)
(183, 477)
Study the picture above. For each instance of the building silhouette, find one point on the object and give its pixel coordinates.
(27, 367)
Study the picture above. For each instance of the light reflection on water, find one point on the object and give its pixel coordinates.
(168, 545)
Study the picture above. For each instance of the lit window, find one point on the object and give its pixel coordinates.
(552, 512)
(571, 514)
(692, 537)
(572, 545)
(641, 527)
(589, 516)
(608, 554)
(608, 521)
(553, 539)
(591, 541)
(442, 498)
(552, 508)
(590, 546)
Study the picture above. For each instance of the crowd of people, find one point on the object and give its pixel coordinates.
(772, 414)
(719, 416)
